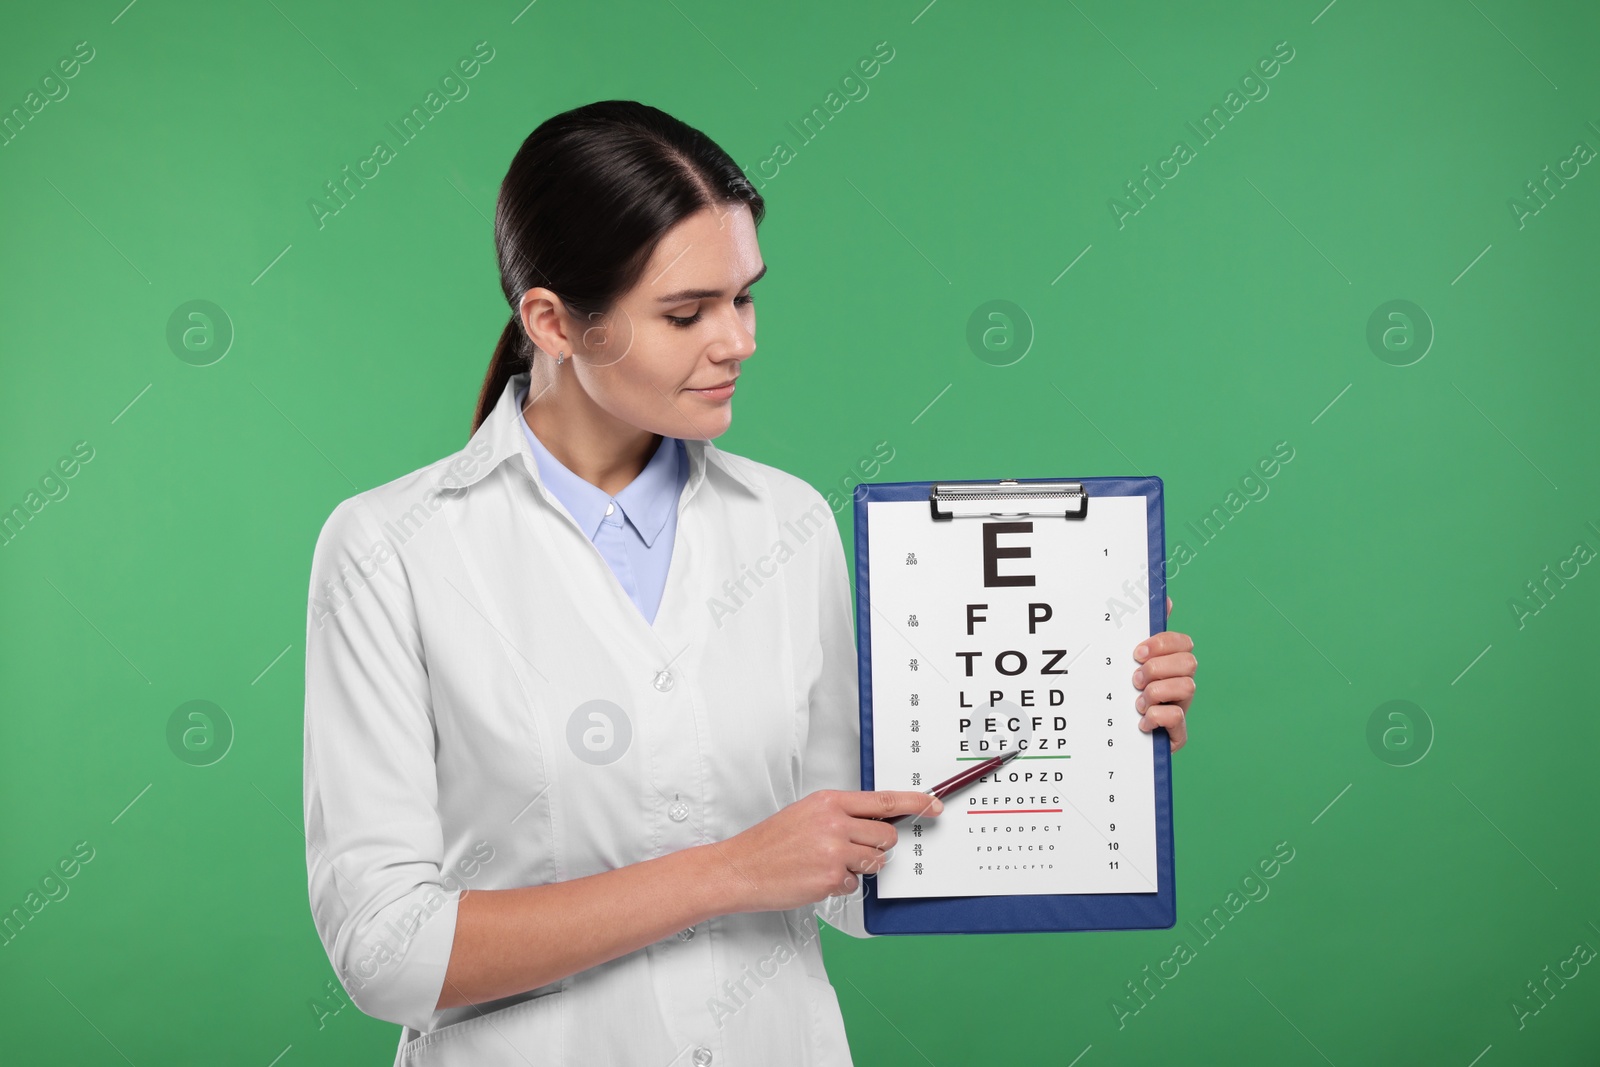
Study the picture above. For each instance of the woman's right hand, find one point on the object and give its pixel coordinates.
(816, 847)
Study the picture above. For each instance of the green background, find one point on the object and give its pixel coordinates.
(1230, 314)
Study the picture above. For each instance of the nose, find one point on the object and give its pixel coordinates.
(738, 341)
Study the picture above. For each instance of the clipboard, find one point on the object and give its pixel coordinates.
(1043, 501)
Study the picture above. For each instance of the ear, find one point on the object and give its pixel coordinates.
(544, 320)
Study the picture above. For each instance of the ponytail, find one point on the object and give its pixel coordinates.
(507, 363)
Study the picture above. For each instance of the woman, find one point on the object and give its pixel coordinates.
(558, 810)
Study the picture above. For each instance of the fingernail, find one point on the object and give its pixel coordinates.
(938, 805)
(1141, 651)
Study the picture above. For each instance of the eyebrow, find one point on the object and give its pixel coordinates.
(683, 295)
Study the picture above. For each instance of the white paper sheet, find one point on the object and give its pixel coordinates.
(1076, 812)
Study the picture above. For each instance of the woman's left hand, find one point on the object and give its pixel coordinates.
(1165, 678)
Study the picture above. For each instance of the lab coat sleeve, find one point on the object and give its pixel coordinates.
(833, 745)
(373, 840)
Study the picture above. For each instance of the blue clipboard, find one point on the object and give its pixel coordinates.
(1030, 913)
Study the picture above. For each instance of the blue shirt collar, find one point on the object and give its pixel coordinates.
(646, 502)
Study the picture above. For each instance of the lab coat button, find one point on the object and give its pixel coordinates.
(702, 1056)
(678, 811)
(686, 935)
(663, 681)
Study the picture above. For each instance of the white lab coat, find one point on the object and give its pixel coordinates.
(460, 628)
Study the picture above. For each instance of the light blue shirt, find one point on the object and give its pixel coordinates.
(639, 549)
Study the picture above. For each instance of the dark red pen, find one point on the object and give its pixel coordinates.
(965, 778)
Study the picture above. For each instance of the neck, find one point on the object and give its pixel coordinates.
(602, 450)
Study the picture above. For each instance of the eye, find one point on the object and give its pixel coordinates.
(738, 301)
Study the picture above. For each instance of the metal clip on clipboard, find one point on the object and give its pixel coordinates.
(979, 499)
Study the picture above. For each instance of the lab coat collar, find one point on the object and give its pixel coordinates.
(501, 438)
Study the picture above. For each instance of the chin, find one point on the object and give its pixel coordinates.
(715, 426)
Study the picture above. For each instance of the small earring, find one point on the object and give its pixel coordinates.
(560, 358)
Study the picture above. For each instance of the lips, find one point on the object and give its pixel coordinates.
(717, 394)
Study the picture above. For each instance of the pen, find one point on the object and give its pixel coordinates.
(966, 778)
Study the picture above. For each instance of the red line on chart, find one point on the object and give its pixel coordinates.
(1008, 811)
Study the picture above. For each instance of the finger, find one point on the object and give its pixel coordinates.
(1163, 643)
(1179, 691)
(1170, 718)
(1169, 606)
(867, 861)
(887, 803)
(1178, 664)
(873, 833)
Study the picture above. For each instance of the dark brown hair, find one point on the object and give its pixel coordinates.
(586, 200)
